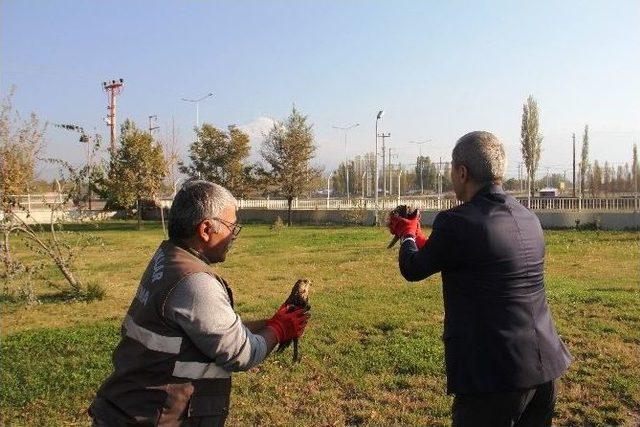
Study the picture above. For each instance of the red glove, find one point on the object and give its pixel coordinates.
(402, 227)
(421, 239)
(288, 324)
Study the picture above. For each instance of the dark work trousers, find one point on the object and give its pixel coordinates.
(523, 408)
(217, 421)
(104, 414)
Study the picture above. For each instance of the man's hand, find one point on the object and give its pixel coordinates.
(288, 324)
(402, 227)
(421, 239)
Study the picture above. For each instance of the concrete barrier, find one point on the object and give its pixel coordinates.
(44, 216)
(549, 220)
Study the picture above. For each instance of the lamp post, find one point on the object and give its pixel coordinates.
(377, 219)
(197, 102)
(346, 157)
(329, 188)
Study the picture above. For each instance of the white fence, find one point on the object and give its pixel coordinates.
(623, 204)
(343, 204)
(427, 204)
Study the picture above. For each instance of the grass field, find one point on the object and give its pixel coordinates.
(372, 353)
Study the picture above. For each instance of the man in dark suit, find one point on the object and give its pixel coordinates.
(502, 351)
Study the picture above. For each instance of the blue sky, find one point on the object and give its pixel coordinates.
(438, 69)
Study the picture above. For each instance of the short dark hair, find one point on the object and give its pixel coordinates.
(195, 202)
(482, 154)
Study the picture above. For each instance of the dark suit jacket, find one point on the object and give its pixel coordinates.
(498, 331)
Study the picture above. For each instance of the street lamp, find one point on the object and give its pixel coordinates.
(377, 219)
(419, 143)
(329, 188)
(346, 157)
(197, 102)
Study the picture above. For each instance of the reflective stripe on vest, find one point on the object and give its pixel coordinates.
(198, 370)
(151, 340)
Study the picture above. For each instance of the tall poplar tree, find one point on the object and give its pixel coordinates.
(584, 160)
(530, 140)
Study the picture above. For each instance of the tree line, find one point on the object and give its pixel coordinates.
(135, 174)
(423, 178)
(593, 179)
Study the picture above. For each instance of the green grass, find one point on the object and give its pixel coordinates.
(372, 353)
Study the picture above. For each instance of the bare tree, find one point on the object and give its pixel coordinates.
(607, 174)
(596, 179)
(20, 142)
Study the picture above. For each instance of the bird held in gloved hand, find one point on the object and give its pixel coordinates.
(404, 221)
(403, 211)
(299, 298)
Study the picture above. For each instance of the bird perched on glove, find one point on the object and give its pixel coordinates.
(404, 227)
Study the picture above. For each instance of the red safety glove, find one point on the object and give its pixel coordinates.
(288, 324)
(403, 227)
(421, 239)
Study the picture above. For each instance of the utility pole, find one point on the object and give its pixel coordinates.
(419, 143)
(153, 120)
(520, 176)
(384, 136)
(635, 183)
(439, 169)
(377, 216)
(440, 178)
(113, 89)
(548, 177)
(364, 179)
(174, 156)
(395, 155)
(329, 188)
(574, 165)
(346, 157)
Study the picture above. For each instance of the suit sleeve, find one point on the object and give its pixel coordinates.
(436, 255)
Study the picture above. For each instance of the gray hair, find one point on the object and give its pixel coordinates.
(195, 202)
(483, 155)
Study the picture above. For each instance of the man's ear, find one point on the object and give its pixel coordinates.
(205, 228)
(463, 173)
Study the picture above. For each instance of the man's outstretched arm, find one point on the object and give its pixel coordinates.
(438, 253)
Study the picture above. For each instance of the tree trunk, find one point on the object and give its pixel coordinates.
(289, 202)
(139, 213)
(532, 184)
(6, 249)
(75, 285)
(6, 256)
